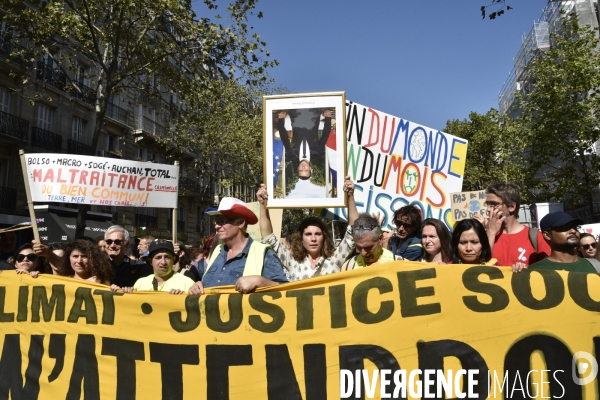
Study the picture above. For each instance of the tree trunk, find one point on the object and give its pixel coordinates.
(101, 106)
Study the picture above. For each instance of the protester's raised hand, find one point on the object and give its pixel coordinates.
(484, 221)
(495, 220)
(349, 186)
(39, 248)
(262, 195)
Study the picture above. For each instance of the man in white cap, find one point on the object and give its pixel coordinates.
(239, 260)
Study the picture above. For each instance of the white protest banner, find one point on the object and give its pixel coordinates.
(78, 179)
(395, 162)
(592, 229)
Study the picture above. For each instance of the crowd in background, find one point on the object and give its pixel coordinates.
(231, 257)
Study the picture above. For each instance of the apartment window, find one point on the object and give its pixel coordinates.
(113, 143)
(81, 75)
(4, 171)
(4, 100)
(44, 117)
(78, 129)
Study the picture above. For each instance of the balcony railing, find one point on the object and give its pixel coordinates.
(13, 126)
(87, 94)
(149, 127)
(110, 153)
(75, 147)
(51, 76)
(8, 198)
(58, 79)
(46, 140)
(117, 113)
(7, 47)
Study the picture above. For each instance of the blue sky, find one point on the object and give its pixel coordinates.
(427, 61)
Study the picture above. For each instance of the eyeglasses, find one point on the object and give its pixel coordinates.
(117, 242)
(31, 257)
(364, 227)
(492, 204)
(587, 246)
(223, 221)
(404, 225)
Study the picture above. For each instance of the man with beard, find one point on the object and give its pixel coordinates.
(561, 232)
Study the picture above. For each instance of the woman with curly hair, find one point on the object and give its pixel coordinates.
(312, 250)
(84, 260)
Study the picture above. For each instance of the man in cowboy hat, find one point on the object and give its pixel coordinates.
(239, 260)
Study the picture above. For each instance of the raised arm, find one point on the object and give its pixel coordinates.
(349, 190)
(266, 228)
(44, 251)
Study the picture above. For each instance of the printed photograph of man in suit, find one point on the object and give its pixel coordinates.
(304, 134)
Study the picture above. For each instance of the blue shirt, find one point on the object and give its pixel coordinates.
(411, 249)
(227, 272)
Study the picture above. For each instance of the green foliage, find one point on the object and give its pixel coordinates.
(154, 49)
(559, 119)
(492, 153)
(156, 46)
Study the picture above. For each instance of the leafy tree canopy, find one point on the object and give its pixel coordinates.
(492, 155)
(558, 116)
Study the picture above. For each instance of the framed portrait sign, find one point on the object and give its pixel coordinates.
(304, 142)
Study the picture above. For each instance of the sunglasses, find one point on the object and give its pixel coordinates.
(223, 221)
(587, 246)
(117, 242)
(364, 227)
(31, 257)
(404, 225)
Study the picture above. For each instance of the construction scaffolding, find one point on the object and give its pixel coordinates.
(538, 40)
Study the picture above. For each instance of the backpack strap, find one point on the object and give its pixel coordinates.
(595, 263)
(533, 238)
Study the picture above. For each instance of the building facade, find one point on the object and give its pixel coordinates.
(45, 116)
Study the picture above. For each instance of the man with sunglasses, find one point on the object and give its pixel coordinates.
(406, 244)
(367, 235)
(239, 260)
(561, 231)
(127, 271)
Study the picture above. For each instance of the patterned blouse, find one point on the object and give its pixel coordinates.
(297, 271)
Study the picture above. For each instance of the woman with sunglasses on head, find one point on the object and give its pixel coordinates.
(312, 250)
(470, 244)
(588, 247)
(437, 242)
(26, 261)
(83, 260)
(406, 244)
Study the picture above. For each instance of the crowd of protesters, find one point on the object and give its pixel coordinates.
(232, 257)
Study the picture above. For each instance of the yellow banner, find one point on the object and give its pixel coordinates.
(414, 329)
